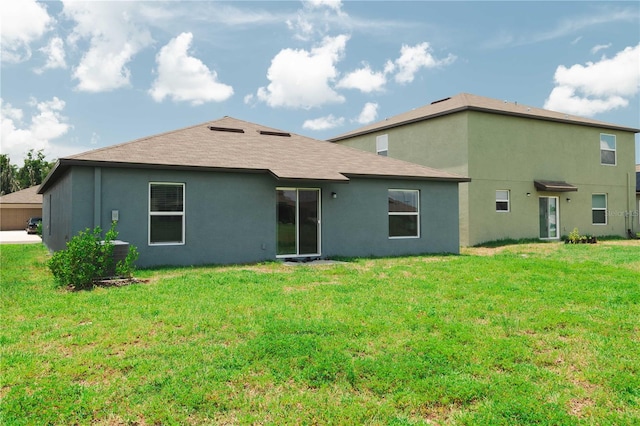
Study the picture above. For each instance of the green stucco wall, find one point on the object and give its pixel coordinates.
(502, 152)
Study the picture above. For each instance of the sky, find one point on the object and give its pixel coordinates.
(80, 75)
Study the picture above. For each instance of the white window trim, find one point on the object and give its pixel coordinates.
(382, 144)
(508, 200)
(182, 213)
(614, 150)
(606, 205)
(417, 214)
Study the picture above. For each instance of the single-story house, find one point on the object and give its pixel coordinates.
(17, 207)
(231, 191)
(535, 173)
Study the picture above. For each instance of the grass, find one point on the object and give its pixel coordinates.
(523, 334)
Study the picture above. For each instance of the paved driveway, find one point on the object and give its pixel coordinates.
(18, 237)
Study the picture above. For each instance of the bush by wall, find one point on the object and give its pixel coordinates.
(89, 257)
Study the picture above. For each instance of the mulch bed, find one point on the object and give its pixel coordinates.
(118, 282)
(110, 282)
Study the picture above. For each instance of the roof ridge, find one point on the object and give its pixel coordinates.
(470, 102)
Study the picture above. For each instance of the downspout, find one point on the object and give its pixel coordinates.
(97, 196)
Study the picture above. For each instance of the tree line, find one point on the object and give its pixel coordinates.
(33, 172)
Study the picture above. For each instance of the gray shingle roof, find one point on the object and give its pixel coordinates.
(286, 157)
(466, 102)
(25, 196)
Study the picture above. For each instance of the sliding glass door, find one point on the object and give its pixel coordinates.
(298, 217)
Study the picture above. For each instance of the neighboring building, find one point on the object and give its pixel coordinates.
(229, 191)
(535, 173)
(638, 193)
(17, 207)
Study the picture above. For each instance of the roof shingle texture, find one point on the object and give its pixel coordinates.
(286, 157)
(466, 101)
(25, 196)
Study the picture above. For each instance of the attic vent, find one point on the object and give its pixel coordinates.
(226, 129)
(266, 132)
(440, 100)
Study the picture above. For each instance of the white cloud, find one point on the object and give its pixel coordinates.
(54, 51)
(315, 18)
(331, 4)
(185, 78)
(576, 40)
(46, 124)
(364, 79)
(323, 123)
(95, 138)
(301, 79)
(414, 58)
(598, 47)
(566, 27)
(22, 22)
(597, 87)
(116, 34)
(368, 114)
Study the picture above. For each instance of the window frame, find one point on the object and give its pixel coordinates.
(416, 213)
(382, 145)
(508, 201)
(593, 209)
(167, 213)
(614, 150)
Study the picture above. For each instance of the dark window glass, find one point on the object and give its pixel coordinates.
(403, 226)
(599, 216)
(167, 198)
(403, 201)
(502, 206)
(608, 157)
(166, 229)
(286, 216)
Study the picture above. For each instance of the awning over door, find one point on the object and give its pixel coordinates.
(554, 186)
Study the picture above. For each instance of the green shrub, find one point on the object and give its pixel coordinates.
(574, 236)
(89, 257)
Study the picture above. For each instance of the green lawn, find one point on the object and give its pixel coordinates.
(527, 334)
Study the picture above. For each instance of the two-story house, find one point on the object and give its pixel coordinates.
(638, 193)
(534, 173)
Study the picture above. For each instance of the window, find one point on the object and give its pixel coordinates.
(599, 209)
(404, 213)
(502, 200)
(607, 149)
(166, 213)
(382, 145)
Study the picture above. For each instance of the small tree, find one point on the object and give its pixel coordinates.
(88, 257)
(34, 170)
(8, 172)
